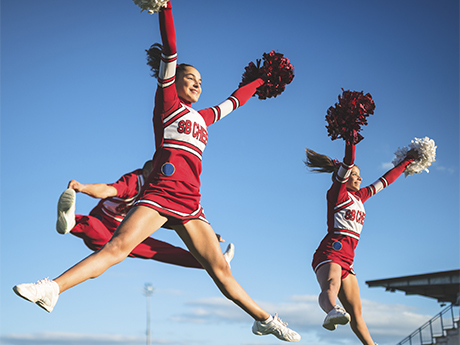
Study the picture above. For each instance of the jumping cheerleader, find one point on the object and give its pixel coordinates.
(171, 197)
(117, 198)
(333, 260)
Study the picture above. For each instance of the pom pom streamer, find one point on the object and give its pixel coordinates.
(345, 118)
(151, 6)
(276, 70)
(426, 150)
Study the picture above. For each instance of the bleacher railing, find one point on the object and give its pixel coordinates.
(436, 327)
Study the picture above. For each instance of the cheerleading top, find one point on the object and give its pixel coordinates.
(180, 135)
(114, 209)
(346, 213)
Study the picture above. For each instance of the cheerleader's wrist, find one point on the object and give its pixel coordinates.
(260, 81)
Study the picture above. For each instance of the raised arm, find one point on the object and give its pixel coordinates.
(338, 192)
(166, 94)
(167, 30)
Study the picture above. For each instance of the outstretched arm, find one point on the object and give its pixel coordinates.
(338, 192)
(237, 99)
(95, 190)
(388, 178)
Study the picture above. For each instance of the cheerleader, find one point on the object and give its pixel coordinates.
(333, 260)
(171, 197)
(117, 198)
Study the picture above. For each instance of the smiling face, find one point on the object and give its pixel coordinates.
(354, 181)
(188, 84)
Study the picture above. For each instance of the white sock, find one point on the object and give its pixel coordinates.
(270, 319)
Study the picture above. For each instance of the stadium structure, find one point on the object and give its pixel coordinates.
(443, 328)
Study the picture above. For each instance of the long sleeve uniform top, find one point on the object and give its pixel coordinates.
(181, 132)
(345, 209)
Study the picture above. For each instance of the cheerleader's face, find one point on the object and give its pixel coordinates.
(188, 84)
(354, 181)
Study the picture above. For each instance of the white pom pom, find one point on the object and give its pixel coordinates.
(427, 154)
(151, 6)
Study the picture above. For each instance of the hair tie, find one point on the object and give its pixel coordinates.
(336, 162)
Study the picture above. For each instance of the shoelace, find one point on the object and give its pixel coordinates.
(43, 281)
(276, 317)
(339, 308)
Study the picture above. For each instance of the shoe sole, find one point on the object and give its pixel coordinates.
(230, 252)
(257, 332)
(282, 338)
(332, 323)
(65, 203)
(17, 291)
(43, 306)
(341, 320)
(330, 326)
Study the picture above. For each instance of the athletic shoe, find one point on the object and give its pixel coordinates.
(337, 316)
(229, 252)
(66, 212)
(276, 327)
(44, 293)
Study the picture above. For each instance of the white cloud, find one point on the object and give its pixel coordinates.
(59, 338)
(387, 165)
(388, 323)
(443, 168)
(215, 309)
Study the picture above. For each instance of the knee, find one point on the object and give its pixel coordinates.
(116, 250)
(331, 285)
(220, 270)
(225, 281)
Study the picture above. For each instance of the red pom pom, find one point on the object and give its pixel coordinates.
(276, 70)
(345, 118)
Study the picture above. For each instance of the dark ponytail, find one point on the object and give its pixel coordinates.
(320, 163)
(154, 59)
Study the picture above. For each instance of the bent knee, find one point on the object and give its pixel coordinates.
(116, 249)
(331, 285)
(221, 270)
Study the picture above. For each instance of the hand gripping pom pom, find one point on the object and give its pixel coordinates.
(151, 6)
(345, 118)
(426, 150)
(276, 70)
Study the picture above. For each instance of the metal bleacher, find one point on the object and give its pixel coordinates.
(443, 328)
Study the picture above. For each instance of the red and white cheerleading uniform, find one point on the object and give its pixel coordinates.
(97, 228)
(345, 214)
(181, 135)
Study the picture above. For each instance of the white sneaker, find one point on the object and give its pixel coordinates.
(229, 252)
(66, 212)
(44, 293)
(276, 327)
(337, 316)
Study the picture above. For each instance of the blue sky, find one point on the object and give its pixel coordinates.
(77, 104)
